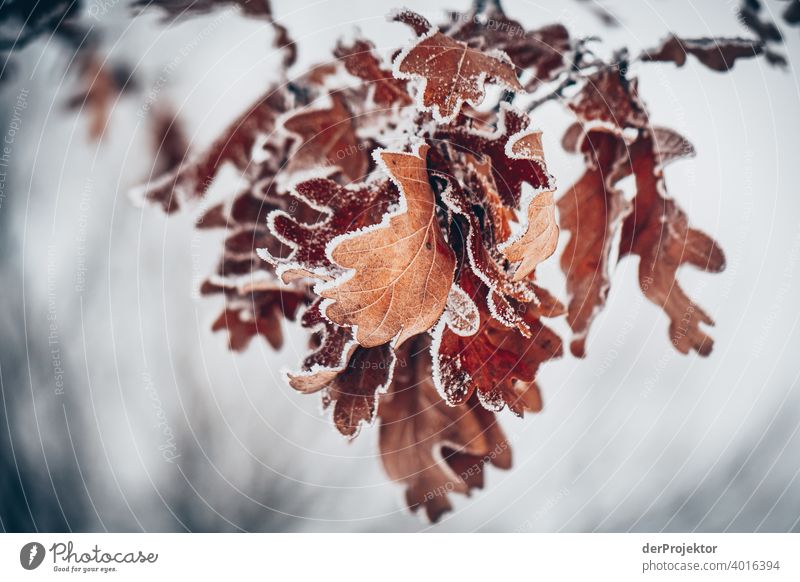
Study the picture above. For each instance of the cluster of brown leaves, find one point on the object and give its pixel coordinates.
(401, 214)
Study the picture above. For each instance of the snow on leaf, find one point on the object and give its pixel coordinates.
(332, 346)
(496, 361)
(509, 150)
(452, 73)
(480, 260)
(340, 210)
(353, 391)
(401, 270)
(461, 314)
(432, 448)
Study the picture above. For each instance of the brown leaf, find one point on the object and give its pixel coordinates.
(360, 62)
(543, 51)
(610, 100)
(591, 210)
(353, 390)
(658, 231)
(402, 268)
(170, 143)
(354, 393)
(332, 345)
(453, 73)
(514, 150)
(718, 54)
(327, 139)
(496, 361)
(468, 238)
(433, 448)
(418, 23)
(341, 210)
(500, 216)
(196, 173)
(539, 239)
(259, 313)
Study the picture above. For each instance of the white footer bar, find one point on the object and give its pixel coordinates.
(401, 557)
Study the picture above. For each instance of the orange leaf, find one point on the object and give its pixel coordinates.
(539, 239)
(402, 268)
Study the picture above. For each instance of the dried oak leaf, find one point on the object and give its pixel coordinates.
(361, 62)
(326, 140)
(332, 345)
(258, 313)
(500, 217)
(718, 54)
(658, 232)
(538, 238)
(418, 23)
(452, 73)
(402, 268)
(513, 149)
(354, 392)
(609, 100)
(431, 447)
(191, 179)
(543, 51)
(591, 211)
(469, 234)
(493, 360)
(340, 209)
(351, 376)
(246, 234)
